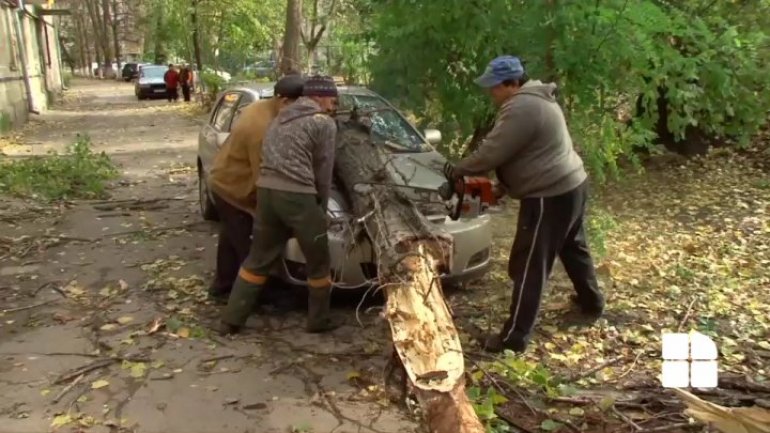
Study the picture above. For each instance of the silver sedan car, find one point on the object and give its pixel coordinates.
(417, 168)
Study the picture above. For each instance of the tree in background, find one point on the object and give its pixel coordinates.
(707, 59)
(290, 55)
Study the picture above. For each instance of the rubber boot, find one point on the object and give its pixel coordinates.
(318, 305)
(243, 298)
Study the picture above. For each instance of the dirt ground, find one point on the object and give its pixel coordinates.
(104, 323)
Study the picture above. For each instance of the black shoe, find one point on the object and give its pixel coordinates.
(219, 298)
(326, 325)
(495, 344)
(225, 329)
(580, 315)
(589, 312)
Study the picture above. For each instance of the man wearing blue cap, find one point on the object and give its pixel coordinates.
(531, 151)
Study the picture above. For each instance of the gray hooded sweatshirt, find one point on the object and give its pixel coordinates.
(298, 151)
(529, 147)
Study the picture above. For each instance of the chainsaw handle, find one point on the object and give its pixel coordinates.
(459, 189)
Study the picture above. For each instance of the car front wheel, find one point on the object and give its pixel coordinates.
(208, 211)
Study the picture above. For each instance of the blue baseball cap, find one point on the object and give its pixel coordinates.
(500, 69)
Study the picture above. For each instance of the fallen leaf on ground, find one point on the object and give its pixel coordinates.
(61, 420)
(155, 326)
(99, 384)
(138, 369)
(183, 332)
(109, 327)
(125, 320)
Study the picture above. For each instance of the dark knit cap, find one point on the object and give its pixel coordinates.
(320, 85)
(289, 86)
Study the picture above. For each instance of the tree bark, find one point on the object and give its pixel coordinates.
(551, 34)
(159, 49)
(409, 252)
(99, 50)
(114, 24)
(104, 19)
(290, 59)
(85, 54)
(195, 35)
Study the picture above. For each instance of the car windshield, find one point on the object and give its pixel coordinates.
(387, 124)
(153, 72)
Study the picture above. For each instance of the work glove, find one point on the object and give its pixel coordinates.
(449, 171)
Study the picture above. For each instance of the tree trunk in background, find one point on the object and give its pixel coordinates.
(85, 60)
(98, 37)
(104, 21)
(196, 36)
(551, 34)
(159, 49)
(115, 41)
(290, 59)
(409, 253)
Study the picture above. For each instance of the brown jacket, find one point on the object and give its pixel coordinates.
(236, 165)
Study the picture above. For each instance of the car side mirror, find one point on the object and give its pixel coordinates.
(433, 136)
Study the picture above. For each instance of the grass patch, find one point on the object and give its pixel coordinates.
(79, 173)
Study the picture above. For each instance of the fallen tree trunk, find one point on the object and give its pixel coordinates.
(409, 252)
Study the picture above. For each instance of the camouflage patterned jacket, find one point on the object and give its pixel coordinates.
(298, 151)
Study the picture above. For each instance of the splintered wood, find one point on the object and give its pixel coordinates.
(408, 251)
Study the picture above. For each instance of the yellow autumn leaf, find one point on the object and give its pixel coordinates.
(61, 420)
(125, 320)
(183, 332)
(99, 384)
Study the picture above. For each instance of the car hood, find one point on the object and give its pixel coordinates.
(151, 80)
(418, 176)
(422, 171)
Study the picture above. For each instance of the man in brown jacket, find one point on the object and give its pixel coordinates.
(233, 181)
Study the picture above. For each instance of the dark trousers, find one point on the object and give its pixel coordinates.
(186, 92)
(548, 227)
(172, 93)
(233, 247)
(282, 215)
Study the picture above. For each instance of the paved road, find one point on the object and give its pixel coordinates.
(84, 287)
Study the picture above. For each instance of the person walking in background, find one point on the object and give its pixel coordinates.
(531, 150)
(233, 181)
(171, 78)
(186, 81)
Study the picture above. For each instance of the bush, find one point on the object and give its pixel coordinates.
(79, 173)
(212, 83)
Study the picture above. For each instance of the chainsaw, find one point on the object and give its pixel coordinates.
(474, 195)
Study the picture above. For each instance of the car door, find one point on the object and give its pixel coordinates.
(246, 99)
(216, 130)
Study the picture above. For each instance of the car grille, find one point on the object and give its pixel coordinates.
(158, 86)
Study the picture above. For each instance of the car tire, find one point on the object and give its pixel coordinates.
(207, 208)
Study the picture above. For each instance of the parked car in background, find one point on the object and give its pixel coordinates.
(150, 83)
(417, 171)
(262, 69)
(130, 71)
